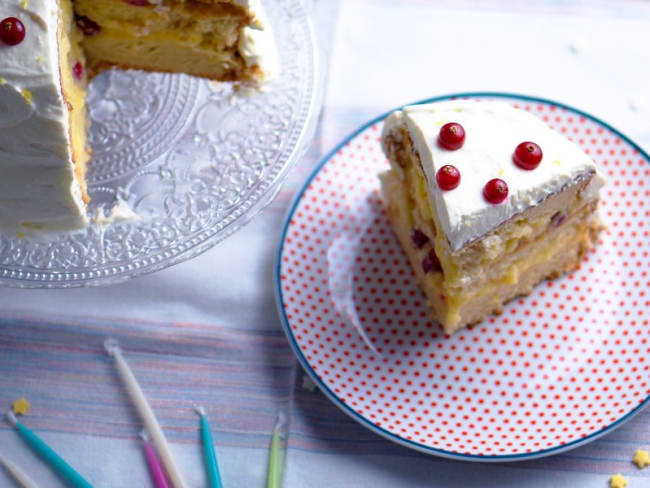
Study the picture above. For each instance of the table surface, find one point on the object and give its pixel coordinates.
(207, 331)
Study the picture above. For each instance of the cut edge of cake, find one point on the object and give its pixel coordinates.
(218, 40)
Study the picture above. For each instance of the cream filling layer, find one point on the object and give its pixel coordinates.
(557, 251)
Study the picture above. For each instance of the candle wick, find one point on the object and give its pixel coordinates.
(200, 410)
(280, 421)
(11, 418)
(112, 347)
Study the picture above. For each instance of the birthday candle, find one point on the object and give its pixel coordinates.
(157, 472)
(274, 473)
(146, 414)
(208, 451)
(52, 458)
(16, 473)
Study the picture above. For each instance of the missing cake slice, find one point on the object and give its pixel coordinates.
(487, 201)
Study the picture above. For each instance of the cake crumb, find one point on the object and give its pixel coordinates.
(27, 95)
(20, 406)
(576, 46)
(641, 458)
(120, 212)
(617, 481)
(308, 384)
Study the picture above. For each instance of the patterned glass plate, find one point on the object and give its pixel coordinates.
(194, 159)
(555, 370)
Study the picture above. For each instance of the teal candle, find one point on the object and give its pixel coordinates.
(57, 463)
(208, 451)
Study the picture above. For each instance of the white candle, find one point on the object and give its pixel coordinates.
(146, 414)
(17, 474)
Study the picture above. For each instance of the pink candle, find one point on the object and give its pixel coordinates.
(156, 469)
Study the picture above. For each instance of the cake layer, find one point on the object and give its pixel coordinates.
(493, 130)
(217, 40)
(551, 255)
(39, 104)
(497, 249)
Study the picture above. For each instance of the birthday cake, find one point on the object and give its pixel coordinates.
(486, 201)
(49, 49)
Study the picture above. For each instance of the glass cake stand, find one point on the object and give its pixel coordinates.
(194, 159)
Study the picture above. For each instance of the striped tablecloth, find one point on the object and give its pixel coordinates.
(207, 331)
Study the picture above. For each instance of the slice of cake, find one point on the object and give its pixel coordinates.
(48, 51)
(487, 201)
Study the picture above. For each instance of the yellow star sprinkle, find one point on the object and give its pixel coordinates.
(27, 95)
(641, 458)
(2, 81)
(20, 406)
(501, 171)
(24, 4)
(556, 161)
(617, 481)
(20, 234)
(440, 123)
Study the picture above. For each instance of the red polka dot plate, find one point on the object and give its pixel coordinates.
(557, 369)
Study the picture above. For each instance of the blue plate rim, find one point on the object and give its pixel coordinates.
(347, 409)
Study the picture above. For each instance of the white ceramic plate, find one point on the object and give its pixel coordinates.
(557, 369)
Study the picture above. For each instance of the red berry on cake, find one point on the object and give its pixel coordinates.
(448, 177)
(78, 70)
(452, 136)
(88, 26)
(419, 238)
(527, 155)
(12, 31)
(495, 191)
(430, 262)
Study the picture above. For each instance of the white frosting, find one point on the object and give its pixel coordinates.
(492, 131)
(256, 46)
(256, 43)
(37, 185)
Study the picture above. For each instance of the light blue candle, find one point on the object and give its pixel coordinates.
(57, 463)
(208, 451)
